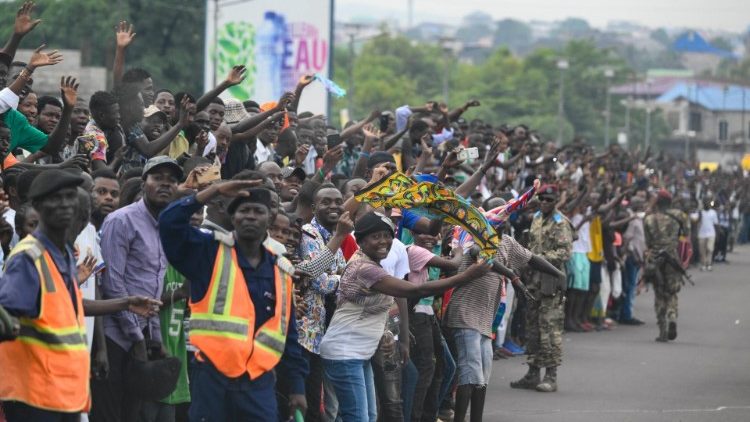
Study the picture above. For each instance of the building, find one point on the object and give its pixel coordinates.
(47, 79)
(699, 55)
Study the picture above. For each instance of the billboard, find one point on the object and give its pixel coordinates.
(278, 41)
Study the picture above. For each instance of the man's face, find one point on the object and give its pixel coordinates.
(223, 136)
(109, 118)
(27, 107)
(251, 221)
(328, 206)
(269, 135)
(159, 187)
(165, 102)
(106, 195)
(280, 230)
(202, 121)
(147, 91)
(4, 142)
(547, 203)
(48, 118)
(215, 115)
(79, 118)
(154, 126)
(31, 222)
(290, 188)
(58, 209)
(273, 172)
(306, 136)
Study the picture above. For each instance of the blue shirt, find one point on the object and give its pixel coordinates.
(20, 286)
(192, 251)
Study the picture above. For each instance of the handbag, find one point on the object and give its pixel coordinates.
(154, 379)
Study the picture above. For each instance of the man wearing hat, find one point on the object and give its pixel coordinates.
(136, 265)
(551, 237)
(663, 229)
(46, 368)
(242, 320)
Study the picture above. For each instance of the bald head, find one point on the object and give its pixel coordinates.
(272, 171)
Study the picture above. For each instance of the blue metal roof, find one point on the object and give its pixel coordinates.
(712, 97)
(692, 42)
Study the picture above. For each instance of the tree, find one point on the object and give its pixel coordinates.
(514, 34)
(169, 42)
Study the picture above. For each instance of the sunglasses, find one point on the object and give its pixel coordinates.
(547, 199)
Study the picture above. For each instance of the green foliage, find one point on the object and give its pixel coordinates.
(391, 71)
(169, 41)
(236, 42)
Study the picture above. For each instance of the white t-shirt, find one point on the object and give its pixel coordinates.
(583, 243)
(708, 220)
(88, 241)
(397, 261)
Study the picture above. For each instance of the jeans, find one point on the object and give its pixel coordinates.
(110, 401)
(409, 380)
(427, 335)
(331, 403)
(314, 387)
(629, 283)
(15, 411)
(449, 370)
(386, 369)
(352, 379)
(474, 356)
(218, 398)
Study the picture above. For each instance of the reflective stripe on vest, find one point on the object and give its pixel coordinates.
(226, 334)
(48, 365)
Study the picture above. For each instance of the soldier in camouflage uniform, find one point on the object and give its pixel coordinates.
(550, 236)
(662, 229)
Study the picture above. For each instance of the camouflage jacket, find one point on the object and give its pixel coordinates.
(663, 231)
(551, 238)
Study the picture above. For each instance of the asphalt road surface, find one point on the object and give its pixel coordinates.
(624, 375)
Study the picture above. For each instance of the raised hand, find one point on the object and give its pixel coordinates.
(373, 115)
(426, 141)
(301, 154)
(345, 224)
(371, 131)
(184, 112)
(86, 268)
(285, 101)
(306, 80)
(234, 188)
(124, 34)
(332, 157)
(40, 58)
(69, 90)
(236, 75)
(24, 23)
(473, 103)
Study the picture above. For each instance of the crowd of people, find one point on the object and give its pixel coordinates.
(170, 256)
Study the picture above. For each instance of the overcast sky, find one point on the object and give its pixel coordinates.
(732, 15)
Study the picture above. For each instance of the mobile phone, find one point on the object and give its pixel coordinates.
(384, 121)
(86, 144)
(212, 174)
(334, 140)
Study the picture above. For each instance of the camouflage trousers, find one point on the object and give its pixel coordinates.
(665, 301)
(544, 328)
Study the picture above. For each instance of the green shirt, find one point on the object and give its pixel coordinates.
(173, 335)
(22, 134)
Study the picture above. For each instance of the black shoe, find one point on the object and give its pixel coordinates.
(672, 331)
(632, 321)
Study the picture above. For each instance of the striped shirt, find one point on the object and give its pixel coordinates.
(473, 305)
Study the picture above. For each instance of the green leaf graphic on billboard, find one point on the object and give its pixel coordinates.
(236, 45)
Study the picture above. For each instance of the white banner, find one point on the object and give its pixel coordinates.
(278, 41)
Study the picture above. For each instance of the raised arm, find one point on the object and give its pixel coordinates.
(69, 94)
(395, 287)
(252, 121)
(235, 77)
(453, 115)
(150, 149)
(472, 182)
(123, 37)
(353, 129)
(304, 81)
(22, 26)
(38, 59)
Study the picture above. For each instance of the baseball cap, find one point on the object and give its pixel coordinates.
(297, 172)
(161, 161)
(153, 110)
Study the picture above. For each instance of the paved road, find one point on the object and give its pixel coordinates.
(624, 375)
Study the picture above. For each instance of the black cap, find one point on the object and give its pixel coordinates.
(372, 222)
(160, 161)
(50, 181)
(257, 195)
(379, 158)
(297, 172)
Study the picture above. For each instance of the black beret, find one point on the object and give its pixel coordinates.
(379, 157)
(257, 195)
(50, 181)
(372, 222)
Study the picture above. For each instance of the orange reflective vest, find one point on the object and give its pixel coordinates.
(47, 366)
(222, 324)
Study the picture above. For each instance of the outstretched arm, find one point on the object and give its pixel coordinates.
(56, 139)
(123, 36)
(235, 77)
(22, 26)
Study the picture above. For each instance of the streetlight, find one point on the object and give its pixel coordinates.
(446, 43)
(608, 73)
(562, 64)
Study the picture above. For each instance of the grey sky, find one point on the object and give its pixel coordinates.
(731, 15)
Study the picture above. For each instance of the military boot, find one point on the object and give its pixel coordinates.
(549, 383)
(662, 332)
(672, 331)
(529, 381)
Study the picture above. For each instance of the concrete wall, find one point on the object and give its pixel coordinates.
(47, 79)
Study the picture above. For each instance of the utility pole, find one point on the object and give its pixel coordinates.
(608, 73)
(562, 64)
